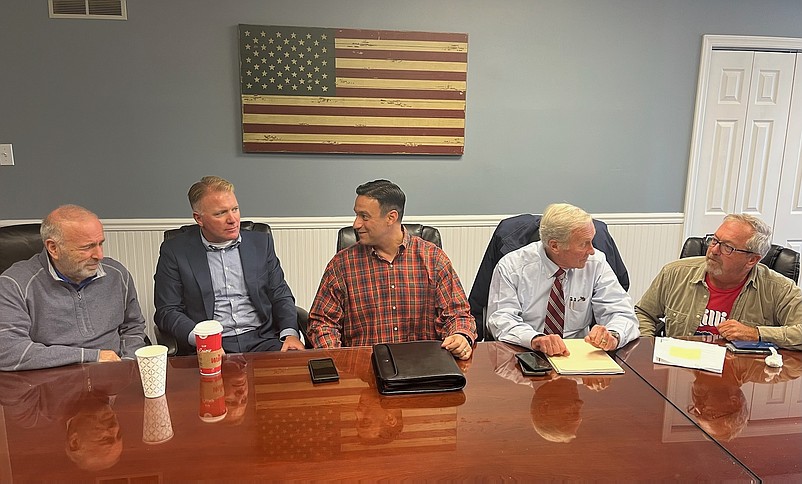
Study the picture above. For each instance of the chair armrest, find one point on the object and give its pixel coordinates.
(167, 340)
(303, 322)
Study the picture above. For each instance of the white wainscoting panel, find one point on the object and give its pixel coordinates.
(646, 248)
(304, 253)
(305, 245)
(138, 250)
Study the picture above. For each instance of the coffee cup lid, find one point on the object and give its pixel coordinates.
(206, 328)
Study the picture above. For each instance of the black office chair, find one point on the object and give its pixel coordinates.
(19, 242)
(169, 340)
(779, 258)
(346, 237)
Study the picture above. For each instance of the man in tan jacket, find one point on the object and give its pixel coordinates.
(726, 292)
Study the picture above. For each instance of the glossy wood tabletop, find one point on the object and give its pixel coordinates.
(263, 419)
(752, 410)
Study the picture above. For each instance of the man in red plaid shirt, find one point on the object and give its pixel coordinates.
(390, 287)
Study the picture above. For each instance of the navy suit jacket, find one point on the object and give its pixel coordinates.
(183, 286)
(515, 232)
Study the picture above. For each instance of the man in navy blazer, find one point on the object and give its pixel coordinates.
(215, 271)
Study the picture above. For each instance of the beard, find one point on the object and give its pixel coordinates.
(713, 267)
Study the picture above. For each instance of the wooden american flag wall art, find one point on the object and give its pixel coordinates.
(322, 90)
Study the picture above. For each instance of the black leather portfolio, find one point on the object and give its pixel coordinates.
(415, 367)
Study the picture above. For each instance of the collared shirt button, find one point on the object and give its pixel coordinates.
(393, 308)
(395, 328)
(392, 286)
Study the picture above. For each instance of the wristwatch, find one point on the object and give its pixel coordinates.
(615, 335)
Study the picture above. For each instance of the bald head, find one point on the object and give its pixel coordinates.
(73, 237)
(52, 225)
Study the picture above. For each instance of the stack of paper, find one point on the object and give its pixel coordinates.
(585, 359)
(689, 354)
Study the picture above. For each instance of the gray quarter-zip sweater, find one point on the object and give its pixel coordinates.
(46, 322)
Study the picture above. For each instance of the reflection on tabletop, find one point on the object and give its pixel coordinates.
(556, 405)
(157, 426)
(224, 396)
(235, 384)
(299, 420)
(717, 402)
(80, 401)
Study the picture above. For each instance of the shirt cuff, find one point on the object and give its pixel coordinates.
(288, 332)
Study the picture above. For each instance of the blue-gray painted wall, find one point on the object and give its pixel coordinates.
(584, 101)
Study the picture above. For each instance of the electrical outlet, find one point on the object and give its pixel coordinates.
(6, 155)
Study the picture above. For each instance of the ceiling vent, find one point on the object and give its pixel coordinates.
(96, 9)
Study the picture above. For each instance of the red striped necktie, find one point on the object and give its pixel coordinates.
(555, 311)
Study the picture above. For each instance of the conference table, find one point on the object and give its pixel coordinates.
(263, 419)
(752, 410)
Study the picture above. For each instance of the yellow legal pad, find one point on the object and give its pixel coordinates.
(585, 359)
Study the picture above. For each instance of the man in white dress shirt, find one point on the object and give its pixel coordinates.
(527, 307)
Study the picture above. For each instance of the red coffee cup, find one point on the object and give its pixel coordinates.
(209, 340)
(212, 399)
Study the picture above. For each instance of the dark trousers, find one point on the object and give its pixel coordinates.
(250, 341)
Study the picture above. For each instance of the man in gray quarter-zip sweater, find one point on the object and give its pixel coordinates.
(68, 304)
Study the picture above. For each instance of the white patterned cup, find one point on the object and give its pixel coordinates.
(157, 427)
(152, 361)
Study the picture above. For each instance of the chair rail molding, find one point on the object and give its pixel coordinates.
(133, 224)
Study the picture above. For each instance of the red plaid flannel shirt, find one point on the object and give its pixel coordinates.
(363, 299)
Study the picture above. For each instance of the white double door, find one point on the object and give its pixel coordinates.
(746, 152)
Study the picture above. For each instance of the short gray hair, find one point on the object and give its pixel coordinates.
(560, 220)
(51, 225)
(760, 241)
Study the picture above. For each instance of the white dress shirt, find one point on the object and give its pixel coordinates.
(519, 293)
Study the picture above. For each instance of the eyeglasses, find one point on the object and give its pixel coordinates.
(705, 412)
(726, 249)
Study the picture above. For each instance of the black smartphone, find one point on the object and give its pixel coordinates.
(323, 370)
(533, 363)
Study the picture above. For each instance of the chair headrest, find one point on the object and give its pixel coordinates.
(19, 242)
(347, 237)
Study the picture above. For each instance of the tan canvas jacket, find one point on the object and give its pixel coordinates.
(769, 301)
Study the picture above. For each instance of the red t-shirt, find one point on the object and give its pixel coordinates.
(719, 307)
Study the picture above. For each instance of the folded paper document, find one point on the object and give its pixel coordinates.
(585, 359)
(689, 354)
